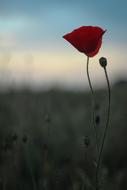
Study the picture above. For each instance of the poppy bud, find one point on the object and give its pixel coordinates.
(14, 137)
(97, 119)
(24, 139)
(87, 141)
(103, 62)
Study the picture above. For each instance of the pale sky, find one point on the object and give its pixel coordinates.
(32, 50)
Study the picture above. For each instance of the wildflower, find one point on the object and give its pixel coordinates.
(86, 39)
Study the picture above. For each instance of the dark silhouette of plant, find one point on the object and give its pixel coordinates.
(103, 63)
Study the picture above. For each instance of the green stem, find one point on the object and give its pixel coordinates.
(105, 130)
(93, 106)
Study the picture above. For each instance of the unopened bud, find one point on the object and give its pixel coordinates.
(87, 141)
(103, 62)
(24, 139)
(15, 137)
(97, 119)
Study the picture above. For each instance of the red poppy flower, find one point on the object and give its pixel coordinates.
(86, 39)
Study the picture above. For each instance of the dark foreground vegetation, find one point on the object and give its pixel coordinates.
(47, 142)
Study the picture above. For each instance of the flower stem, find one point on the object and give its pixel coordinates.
(106, 128)
(93, 106)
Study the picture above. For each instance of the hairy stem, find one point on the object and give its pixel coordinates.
(93, 107)
(105, 130)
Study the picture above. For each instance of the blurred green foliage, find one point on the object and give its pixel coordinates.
(47, 142)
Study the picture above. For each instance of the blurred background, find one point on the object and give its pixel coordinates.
(45, 104)
(33, 52)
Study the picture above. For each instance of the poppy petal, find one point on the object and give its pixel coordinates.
(86, 39)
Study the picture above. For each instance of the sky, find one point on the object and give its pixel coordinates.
(33, 52)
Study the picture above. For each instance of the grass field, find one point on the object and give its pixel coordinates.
(47, 142)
